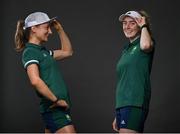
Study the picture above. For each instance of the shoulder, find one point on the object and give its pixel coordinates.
(30, 52)
(30, 56)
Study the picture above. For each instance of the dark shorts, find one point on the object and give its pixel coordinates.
(131, 117)
(56, 118)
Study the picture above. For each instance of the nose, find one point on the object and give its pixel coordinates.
(127, 25)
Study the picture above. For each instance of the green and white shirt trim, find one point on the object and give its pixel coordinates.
(51, 52)
(30, 62)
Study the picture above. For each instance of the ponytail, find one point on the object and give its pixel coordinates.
(21, 36)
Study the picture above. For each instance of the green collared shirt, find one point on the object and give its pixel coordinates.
(133, 73)
(48, 70)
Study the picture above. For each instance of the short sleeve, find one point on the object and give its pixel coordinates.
(51, 53)
(29, 57)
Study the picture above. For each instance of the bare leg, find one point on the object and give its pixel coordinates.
(66, 129)
(124, 130)
(47, 131)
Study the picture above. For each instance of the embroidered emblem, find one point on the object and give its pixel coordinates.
(44, 54)
(133, 50)
(68, 117)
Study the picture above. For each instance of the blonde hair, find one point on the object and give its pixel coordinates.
(21, 36)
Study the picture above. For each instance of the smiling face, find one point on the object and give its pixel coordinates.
(130, 28)
(42, 32)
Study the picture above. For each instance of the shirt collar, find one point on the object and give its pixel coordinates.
(128, 45)
(34, 46)
(134, 42)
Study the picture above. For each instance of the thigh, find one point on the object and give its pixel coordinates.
(131, 118)
(66, 129)
(47, 131)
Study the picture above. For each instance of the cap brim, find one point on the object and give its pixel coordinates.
(121, 18)
(52, 19)
(49, 21)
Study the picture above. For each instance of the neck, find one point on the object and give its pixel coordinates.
(133, 39)
(34, 41)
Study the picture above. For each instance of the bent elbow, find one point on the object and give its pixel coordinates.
(34, 82)
(146, 46)
(70, 53)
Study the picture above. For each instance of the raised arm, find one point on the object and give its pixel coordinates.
(146, 42)
(65, 45)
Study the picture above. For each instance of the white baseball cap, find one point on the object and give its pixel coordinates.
(132, 14)
(36, 19)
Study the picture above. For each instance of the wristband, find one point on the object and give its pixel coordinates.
(144, 25)
(56, 100)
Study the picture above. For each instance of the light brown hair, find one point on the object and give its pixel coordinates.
(21, 36)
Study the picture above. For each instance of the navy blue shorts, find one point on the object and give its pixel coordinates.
(56, 118)
(131, 117)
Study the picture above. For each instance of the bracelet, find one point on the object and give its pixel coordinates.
(56, 100)
(145, 25)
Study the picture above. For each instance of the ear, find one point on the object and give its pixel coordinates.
(33, 29)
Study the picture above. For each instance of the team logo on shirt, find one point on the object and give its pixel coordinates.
(133, 50)
(44, 54)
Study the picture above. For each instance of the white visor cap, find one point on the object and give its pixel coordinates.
(132, 14)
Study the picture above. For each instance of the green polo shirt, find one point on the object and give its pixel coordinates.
(133, 74)
(48, 70)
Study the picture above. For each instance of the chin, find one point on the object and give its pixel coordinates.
(130, 35)
(45, 40)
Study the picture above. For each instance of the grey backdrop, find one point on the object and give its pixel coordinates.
(90, 75)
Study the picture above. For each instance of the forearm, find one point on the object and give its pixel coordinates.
(43, 89)
(65, 49)
(145, 41)
(65, 42)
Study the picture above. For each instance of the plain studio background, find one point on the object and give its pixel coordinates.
(97, 39)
